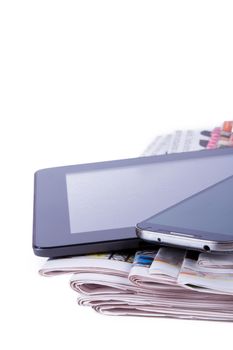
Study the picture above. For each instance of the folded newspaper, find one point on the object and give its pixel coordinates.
(165, 281)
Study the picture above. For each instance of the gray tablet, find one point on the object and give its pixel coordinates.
(90, 208)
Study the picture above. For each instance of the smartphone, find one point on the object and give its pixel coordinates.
(203, 221)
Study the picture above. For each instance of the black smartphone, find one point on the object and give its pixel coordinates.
(203, 221)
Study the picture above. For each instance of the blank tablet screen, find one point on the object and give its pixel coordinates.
(123, 196)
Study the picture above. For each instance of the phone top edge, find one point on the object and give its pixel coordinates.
(182, 241)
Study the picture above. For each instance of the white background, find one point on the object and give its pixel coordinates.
(84, 81)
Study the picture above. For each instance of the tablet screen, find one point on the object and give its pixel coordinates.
(119, 197)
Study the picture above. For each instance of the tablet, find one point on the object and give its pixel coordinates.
(95, 207)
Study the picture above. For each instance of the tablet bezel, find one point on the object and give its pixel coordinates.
(51, 226)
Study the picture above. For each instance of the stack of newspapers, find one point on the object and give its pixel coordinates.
(163, 281)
